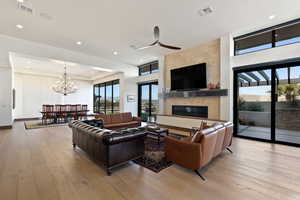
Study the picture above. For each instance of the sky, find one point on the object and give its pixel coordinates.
(263, 90)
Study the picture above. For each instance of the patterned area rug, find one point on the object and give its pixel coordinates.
(38, 124)
(154, 158)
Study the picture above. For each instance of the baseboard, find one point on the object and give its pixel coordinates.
(6, 127)
(27, 119)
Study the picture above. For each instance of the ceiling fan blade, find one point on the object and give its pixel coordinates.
(168, 46)
(156, 33)
(145, 47)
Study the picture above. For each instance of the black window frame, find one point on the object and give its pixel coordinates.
(273, 66)
(151, 66)
(97, 109)
(272, 30)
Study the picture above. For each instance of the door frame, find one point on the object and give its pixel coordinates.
(140, 96)
(263, 66)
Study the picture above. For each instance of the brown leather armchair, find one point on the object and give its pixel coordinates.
(197, 151)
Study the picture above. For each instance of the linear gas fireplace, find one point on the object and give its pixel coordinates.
(194, 111)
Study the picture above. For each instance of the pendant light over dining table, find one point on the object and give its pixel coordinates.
(65, 85)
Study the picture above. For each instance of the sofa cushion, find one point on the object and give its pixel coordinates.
(116, 118)
(106, 118)
(126, 117)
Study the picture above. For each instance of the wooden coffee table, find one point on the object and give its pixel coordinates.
(157, 133)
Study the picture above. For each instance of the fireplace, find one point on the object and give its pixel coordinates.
(194, 111)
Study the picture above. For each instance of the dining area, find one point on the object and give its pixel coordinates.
(63, 113)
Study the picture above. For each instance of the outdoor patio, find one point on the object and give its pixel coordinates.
(265, 133)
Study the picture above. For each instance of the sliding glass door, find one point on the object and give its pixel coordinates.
(148, 100)
(288, 104)
(267, 103)
(254, 104)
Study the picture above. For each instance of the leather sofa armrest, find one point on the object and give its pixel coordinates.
(119, 138)
(184, 153)
(136, 119)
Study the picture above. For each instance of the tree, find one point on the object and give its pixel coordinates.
(290, 91)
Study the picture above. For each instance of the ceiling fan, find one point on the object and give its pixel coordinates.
(157, 42)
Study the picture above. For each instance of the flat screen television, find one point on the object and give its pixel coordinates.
(189, 78)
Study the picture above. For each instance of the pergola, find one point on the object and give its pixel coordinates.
(262, 77)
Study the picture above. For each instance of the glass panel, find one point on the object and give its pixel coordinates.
(253, 43)
(288, 35)
(145, 102)
(108, 97)
(154, 67)
(97, 104)
(144, 70)
(102, 98)
(96, 90)
(254, 110)
(294, 74)
(116, 97)
(288, 106)
(154, 100)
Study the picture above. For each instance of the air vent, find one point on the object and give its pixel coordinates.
(45, 16)
(205, 11)
(25, 8)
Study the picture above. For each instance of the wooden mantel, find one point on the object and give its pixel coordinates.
(195, 93)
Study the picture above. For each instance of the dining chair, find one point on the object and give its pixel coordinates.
(48, 113)
(83, 112)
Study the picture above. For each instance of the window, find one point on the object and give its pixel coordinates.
(253, 43)
(287, 35)
(107, 97)
(148, 68)
(279, 35)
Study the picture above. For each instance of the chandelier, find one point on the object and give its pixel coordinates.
(65, 85)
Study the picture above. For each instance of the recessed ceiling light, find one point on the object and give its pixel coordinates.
(102, 69)
(20, 1)
(115, 53)
(79, 43)
(272, 16)
(19, 26)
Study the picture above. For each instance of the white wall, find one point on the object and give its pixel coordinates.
(32, 91)
(226, 78)
(5, 96)
(147, 78)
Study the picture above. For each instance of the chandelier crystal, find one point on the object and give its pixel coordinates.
(65, 85)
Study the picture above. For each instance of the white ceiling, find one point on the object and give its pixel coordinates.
(105, 26)
(43, 66)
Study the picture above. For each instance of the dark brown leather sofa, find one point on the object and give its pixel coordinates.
(120, 120)
(197, 151)
(109, 148)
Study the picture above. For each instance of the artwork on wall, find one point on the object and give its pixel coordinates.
(130, 98)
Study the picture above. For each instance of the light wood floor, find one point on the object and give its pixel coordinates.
(41, 164)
